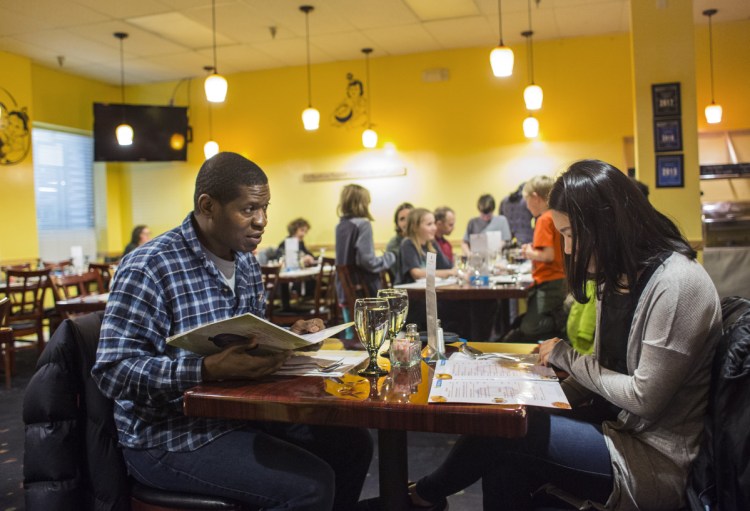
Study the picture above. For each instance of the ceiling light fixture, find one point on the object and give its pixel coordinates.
(124, 132)
(210, 148)
(215, 84)
(531, 127)
(713, 111)
(369, 136)
(532, 94)
(310, 115)
(501, 57)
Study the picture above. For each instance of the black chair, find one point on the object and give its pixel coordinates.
(72, 460)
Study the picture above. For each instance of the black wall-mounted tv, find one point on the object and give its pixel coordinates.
(160, 132)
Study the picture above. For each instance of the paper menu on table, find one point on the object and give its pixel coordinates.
(496, 381)
(431, 302)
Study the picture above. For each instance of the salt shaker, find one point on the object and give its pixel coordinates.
(406, 351)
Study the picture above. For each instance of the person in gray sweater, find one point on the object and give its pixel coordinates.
(640, 398)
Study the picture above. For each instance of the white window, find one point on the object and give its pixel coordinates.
(64, 190)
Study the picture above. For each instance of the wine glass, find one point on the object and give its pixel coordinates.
(398, 303)
(371, 324)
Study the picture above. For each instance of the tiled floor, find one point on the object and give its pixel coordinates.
(425, 450)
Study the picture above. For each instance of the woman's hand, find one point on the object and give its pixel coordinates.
(545, 348)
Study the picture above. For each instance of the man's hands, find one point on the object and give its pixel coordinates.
(307, 326)
(237, 362)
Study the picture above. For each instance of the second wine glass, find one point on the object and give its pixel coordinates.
(371, 323)
(398, 304)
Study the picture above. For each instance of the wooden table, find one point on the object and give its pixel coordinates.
(82, 304)
(386, 404)
(500, 293)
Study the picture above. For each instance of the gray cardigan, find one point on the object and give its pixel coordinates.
(675, 329)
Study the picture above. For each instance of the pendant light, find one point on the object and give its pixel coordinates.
(531, 127)
(369, 136)
(310, 115)
(713, 111)
(532, 94)
(210, 148)
(215, 84)
(124, 132)
(501, 57)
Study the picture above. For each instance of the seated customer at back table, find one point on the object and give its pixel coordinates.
(298, 228)
(420, 239)
(199, 272)
(657, 330)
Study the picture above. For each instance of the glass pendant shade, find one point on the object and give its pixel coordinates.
(533, 97)
(210, 149)
(311, 118)
(216, 88)
(501, 60)
(369, 138)
(713, 113)
(531, 127)
(124, 134)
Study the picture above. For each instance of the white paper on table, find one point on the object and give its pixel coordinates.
(462, 367)
(494, 241)
(478, 242)
(431, 302)
(76, 254)
(422, 283)
(349, 359)
(504, 392)
(291, 252)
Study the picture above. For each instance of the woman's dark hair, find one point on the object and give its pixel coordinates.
(399, 209)
(135, 237)
(613, 225)
(297, 223)
(486, 204)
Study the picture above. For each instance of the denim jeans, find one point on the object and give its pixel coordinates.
(569, 453)
(269, 465)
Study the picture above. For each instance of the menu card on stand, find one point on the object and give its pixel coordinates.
(461, 379)
(431, 304)
(291, 253)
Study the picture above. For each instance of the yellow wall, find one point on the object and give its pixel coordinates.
(18, 239)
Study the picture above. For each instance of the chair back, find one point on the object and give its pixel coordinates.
(352, 285)
(57, 265)
(105, 272)
(25, 290)
(4, 310)
(325, 298)
(270, 276)
(80, 284)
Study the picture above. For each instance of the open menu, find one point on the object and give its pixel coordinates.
(462, 379)
(213, 337)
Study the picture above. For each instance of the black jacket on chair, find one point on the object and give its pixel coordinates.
(71, 461)
(720, 478)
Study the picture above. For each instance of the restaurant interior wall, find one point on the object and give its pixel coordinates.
(457, 138)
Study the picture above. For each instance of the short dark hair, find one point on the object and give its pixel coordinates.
(135, 236)
(222, 175)
(486, 204)
(613, 225)
(297, 223)
(441, 212)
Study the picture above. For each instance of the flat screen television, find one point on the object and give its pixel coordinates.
(160, 133)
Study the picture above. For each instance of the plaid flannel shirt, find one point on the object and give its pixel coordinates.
(163, 288)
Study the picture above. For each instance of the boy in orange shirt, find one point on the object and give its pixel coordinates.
(544, 317)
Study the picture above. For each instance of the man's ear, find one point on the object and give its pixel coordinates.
(206, 205)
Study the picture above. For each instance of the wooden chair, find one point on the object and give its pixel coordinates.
(270, 276)
(349, 277)
(105, 272)
(65, 287)
(25, 291)
(7, 351)
(23, 266)
(57, 265)
(324, 304)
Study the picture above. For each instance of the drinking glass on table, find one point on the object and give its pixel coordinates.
(371, 324)
(398, 304)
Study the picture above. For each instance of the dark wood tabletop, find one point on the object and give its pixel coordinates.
(469, 292)
(392, 404)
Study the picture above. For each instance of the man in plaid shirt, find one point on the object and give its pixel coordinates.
(200, 272)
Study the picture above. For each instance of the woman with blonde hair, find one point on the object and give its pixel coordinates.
(420, 239)
(354, 241)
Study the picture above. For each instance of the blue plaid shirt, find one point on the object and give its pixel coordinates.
(163, 288)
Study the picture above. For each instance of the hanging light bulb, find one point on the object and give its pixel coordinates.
(713, 111)
(210, 149)
(532, 94)
(531, 127)
(215, 84)
(501, 57)
(369, 136)
(310, 115)
(123, 132)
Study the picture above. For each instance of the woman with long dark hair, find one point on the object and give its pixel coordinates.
(658, 323)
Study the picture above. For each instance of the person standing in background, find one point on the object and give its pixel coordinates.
(513, 207)
(140, 235)
(485, 222)
(445, 221)
(354, 241)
